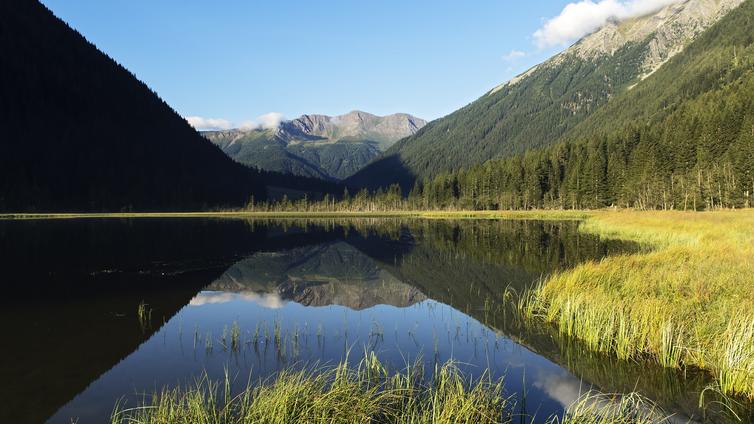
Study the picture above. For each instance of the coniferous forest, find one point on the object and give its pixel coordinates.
(681, 139)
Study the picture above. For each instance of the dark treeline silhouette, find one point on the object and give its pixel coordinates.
(81, 133)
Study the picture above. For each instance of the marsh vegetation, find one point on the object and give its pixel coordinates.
(370, 393)
(686, 301)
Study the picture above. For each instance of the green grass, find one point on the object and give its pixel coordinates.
(599, 408)
(686, 300)
(341, 394)
(369, 393)
(144, 315)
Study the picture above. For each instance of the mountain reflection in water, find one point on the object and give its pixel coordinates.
(296, 293)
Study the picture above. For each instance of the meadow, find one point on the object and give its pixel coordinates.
(687, 300)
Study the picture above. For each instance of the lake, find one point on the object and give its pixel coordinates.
(98, 311)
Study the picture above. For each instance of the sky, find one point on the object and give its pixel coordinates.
(247, 63)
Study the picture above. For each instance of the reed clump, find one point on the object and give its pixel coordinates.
(687, 299)
(144, 315)
(367, 393)
(599, 408)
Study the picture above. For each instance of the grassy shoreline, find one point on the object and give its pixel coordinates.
(689, 301)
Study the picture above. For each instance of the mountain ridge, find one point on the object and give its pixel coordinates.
(314, 145)
(539, 107)
(682, 138)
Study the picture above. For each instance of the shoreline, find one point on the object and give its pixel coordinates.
(539, 214)
(529, 214)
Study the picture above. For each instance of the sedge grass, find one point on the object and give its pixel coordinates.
(367, 393)
(599, 408)
(686, 300)
(144, 315)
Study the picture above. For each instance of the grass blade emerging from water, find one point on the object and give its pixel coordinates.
(364, 394)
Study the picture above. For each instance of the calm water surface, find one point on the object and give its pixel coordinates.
(297, 293)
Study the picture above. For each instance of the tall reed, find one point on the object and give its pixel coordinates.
(687, 299)
(367, 393)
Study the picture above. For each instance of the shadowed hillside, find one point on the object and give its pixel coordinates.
(80, 132)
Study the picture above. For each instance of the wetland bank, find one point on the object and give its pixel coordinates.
(111, 311)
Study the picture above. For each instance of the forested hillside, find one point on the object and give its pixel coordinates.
(81, 133)
(543, 105)
(682, 138)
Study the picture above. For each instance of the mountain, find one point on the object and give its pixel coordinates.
(328, 274)
(541, 106)
(81, 133)
(681, 138)
(317, 145)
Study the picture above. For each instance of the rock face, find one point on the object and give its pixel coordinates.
(664, 33)
(542, 106)
(330, 147)
(385, 130)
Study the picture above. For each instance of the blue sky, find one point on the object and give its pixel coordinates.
(238, 59)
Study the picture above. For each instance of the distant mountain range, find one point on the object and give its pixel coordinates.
(547, 104)
(327, 147)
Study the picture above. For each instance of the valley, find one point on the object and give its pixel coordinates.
(574, 245)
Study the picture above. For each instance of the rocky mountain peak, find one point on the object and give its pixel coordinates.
(321, 146)
(666, 32)
(355, 124)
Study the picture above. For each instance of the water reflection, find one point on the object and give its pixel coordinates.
(326, 274)
(254, 297)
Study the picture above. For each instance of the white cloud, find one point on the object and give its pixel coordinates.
(248, 125)
(270, 120)
(514, 55)
(266, 300)
(201, 123)
(581, 18)
(267, 121)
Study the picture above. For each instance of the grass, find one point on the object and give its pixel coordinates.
(341, 394)
(369, 393)
(686, 300)
(144, 315)
(599, 408)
